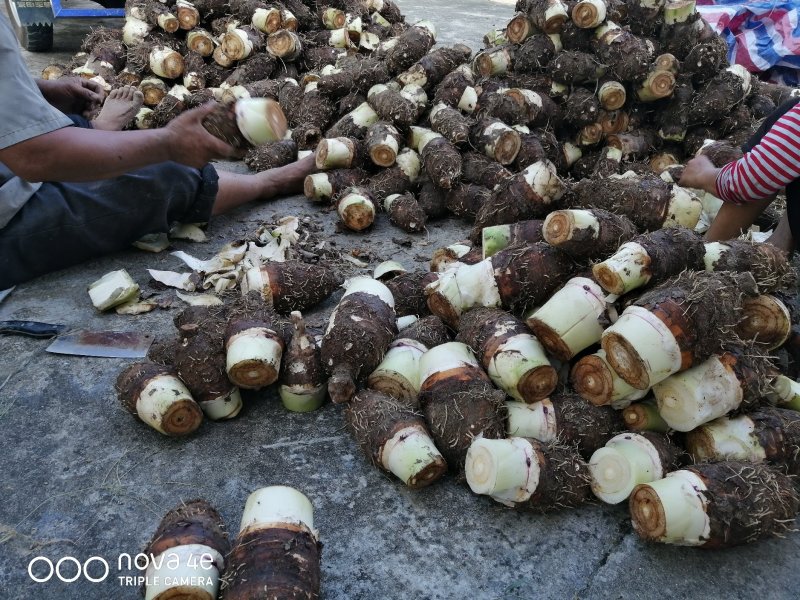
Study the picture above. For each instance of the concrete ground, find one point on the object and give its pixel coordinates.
(81, 478)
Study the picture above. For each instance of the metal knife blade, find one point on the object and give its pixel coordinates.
(107, 344)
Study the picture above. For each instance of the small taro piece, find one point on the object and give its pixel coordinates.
(519, 29)
(408, 290)
(626, 55)
(720, 95)
(398, 375)
(156, 396)
(458, 401)
(248, 122)
(497, 60)
(630, 459)
(765, 434)
(466, 199)
(595, 381)
(330, 184)
(715, 505)
(590, 233)
(643, 416)
(432, 68)
(769, 320)
(526, 474)
(677, 324)
(440, 159)
(383, 142)
(450, 123)
(548, 15)
(187, 553)
(457, 90)
(513, 358)
(405, 212)
(291, 285)
(499, 237)
(253, 351)
(395, 438)
(516, 278)
(564, 332)
(497, 140)
(454, 255)
(527, 195)
(284, 45)
(581, 108)
(302, 377)
(722, 383)
(647, 200)
(240, 42)
(768, 264)
(397, 179)
(358, 78)
(396, 107)
(650, 257)
(432, 200)
(673, 119)
(480, 169)
(200, 361)
(588, 14)
(277, 552)
(566, 418)
(576, 68)
(359, 331)
(411, 46)
(356, 208)
(429, 331)
(354, 124)
(535, 53)
(271, 156)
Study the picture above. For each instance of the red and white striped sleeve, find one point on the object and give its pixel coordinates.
(768, 167)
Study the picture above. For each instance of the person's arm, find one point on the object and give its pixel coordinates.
(770, 166)
(72, 154)
(732, 220)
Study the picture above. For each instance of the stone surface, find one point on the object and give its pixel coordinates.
(82, 478)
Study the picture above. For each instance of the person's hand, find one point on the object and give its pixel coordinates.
(73, 95)
(190, 143)
(700, 173)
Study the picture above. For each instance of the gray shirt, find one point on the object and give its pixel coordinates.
(24, 114)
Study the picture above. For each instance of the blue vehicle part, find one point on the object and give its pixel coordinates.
(33, 19)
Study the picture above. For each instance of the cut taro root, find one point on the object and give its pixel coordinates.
(277, 552)
(395, 438)
(157, 397)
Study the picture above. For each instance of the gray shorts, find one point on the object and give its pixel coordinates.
(64, 224)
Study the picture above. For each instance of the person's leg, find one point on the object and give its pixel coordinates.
(66, 224)
(80, 121)
(782, 236)
(236, 189)
(788, 229)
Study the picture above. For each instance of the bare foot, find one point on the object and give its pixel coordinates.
(119, 108)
